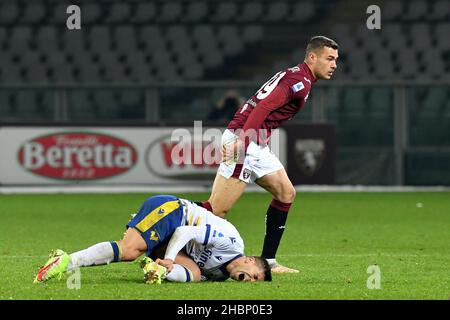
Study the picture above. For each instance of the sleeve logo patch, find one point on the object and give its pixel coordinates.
(297, 87)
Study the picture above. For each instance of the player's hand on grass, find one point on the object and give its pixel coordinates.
(168, 263)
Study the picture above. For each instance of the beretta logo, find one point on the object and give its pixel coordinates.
(77, 156)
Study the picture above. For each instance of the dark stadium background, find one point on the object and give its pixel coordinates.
(149, 63)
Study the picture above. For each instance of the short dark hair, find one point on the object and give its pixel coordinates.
(263, 264)
(317, 43)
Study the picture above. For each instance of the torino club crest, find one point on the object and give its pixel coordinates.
(247, 173)
(309, 155)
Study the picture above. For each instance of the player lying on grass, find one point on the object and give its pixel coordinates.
(198, 246)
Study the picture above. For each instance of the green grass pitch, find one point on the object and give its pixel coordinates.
(332, 237)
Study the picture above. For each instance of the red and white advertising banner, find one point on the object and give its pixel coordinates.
(113, 155)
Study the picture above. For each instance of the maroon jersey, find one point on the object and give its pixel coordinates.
(277, 101)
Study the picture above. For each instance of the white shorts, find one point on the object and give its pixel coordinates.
(259, 161)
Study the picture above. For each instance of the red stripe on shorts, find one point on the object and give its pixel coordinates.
(237, 170)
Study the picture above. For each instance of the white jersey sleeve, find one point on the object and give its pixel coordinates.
(184, 234)
(204, 236)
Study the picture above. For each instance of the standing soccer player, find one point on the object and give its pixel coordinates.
(246, 154)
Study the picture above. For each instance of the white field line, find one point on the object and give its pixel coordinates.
(361, 255)
(205, 188)
(318, 255)
(5, 256)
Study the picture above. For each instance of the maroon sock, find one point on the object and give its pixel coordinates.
(205, 204)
